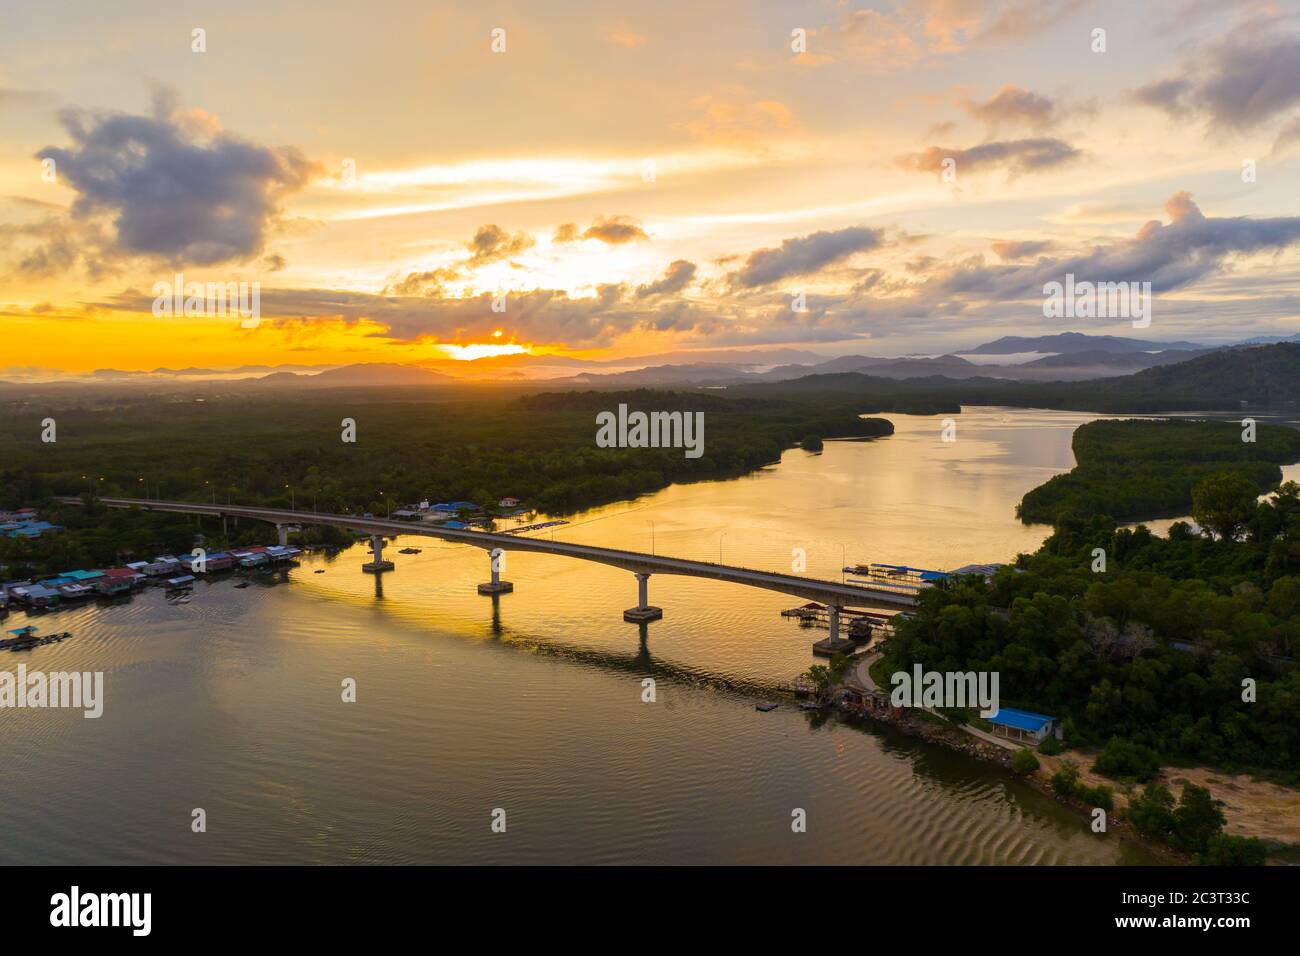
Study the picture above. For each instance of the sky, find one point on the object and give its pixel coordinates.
(435, 182)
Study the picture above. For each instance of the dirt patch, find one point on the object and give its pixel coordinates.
(1253, 808)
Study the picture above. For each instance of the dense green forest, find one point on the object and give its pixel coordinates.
(1148, 657)
(1137, 469)
(288, 450)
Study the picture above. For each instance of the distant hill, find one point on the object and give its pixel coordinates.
(1115, 362)
(1257, 374)
(371, 375)
(1271, 339)
(1067, 342)
(1225, 379)
(699, 372)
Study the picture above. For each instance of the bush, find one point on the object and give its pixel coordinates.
(1099, 796)
(1065, 782)
(1197, 821)
(1051, 747)
(1224, 850)
(1123, 758)
(1152, 813)
(1024, 762)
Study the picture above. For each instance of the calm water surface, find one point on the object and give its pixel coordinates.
(532, 702)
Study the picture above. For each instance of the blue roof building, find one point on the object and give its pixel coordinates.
(1022, 725)
(28, 529)
(81, 576)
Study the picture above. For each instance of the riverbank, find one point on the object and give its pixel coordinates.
(1252, 808)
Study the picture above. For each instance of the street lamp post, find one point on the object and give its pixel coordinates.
(720, 537)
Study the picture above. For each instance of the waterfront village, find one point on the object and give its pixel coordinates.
(177, 572)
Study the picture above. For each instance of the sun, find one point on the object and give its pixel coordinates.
(478, 350)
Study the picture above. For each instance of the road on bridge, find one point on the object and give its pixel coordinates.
(834, 594)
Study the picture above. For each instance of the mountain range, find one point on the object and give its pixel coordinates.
(1062, 357)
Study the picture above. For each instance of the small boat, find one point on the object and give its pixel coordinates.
(809, 705)
(25, 638)
(319, 571)
(241, 584)
(765, 707)
(409, 551)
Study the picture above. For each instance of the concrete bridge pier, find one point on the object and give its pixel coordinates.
(496, 585)
(834, 644)
(644, 610)
(378, 564)
(283, 530)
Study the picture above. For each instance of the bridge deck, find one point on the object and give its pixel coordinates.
(814, 589)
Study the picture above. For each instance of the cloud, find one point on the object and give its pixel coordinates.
(1169, 255)
(1169, 95)
(1013, 104)
(431, 282)
(492, 243)
(1008, 250)
(172, 187)
(733, 116)
(1286, 136)
(1237, 83)
(679, 275)
(1017, 156)
(54, 245)
(805, 255)
(914, 29)
(615, 230)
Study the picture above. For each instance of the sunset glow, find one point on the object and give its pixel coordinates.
(674, 185)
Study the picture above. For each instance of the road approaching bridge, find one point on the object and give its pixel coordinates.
(834, 594)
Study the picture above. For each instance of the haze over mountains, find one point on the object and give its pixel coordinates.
(1062, 357)
(1067, 356)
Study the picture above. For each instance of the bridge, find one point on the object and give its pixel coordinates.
(834, 594)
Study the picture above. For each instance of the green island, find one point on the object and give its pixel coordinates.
(1138, 469)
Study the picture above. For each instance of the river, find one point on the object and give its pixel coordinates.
(532, 703)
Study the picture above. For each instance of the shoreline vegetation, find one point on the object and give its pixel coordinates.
(285, 452)
(1153, 652)
(1142, 470)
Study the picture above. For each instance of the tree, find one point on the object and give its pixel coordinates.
(1065, 782)
(1225, 850)
(1197, 820)
(1152, 811)
(1024, 762)
(1099, 796)
(1222, 503)
(1123, 758)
